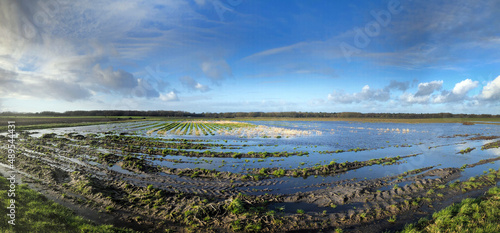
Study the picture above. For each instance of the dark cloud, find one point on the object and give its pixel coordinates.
(425, 89)
(42, 54)
(423, 94)
(104, 81)
(395, 85)
(145, 89)
(414, 83)
(113, 80)
(13, 84)
(59, 89)
(121, 82)
(8, 81)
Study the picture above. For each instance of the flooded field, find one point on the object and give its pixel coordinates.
(264, 175)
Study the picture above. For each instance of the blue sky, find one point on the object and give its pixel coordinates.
(241, 55)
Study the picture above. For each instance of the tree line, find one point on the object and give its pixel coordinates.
(161, 113)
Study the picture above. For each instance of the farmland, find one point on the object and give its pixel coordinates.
(261, 176)
(26, 122)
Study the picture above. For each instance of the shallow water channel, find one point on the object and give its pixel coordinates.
(436, 144)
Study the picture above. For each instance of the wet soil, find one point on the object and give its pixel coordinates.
(127, 189)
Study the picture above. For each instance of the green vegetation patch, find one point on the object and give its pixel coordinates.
(332, 168)
(491, 145)
(467, 150)
(471, 215)
(35, 213)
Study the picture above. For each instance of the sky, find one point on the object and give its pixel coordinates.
(403, 56)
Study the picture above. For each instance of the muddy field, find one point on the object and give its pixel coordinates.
(26, 123)
(261, 176)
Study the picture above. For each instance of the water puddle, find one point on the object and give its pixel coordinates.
(400, 184)
(294, 207)
(119, 169)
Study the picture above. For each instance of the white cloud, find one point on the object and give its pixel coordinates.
(491, 91)
(411, 98)
(464, 86)
(171, 96)
(201, 87)
(459, 92)
(366, 94)
(423, 93)
(49, 44)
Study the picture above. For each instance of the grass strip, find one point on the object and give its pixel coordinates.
(471, 215)
(36, 213)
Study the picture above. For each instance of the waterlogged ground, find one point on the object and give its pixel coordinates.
(438, 144)
(293, 175)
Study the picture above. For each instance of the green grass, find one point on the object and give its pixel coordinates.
(279, 172)
(237, 206)
(491, 145)
(468, 150)
(471, 215)
(35, 213)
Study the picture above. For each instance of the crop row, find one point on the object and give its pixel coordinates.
(192, 128)
(232, 128)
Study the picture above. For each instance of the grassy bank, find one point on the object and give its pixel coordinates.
(35, 213)
(471, 215)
